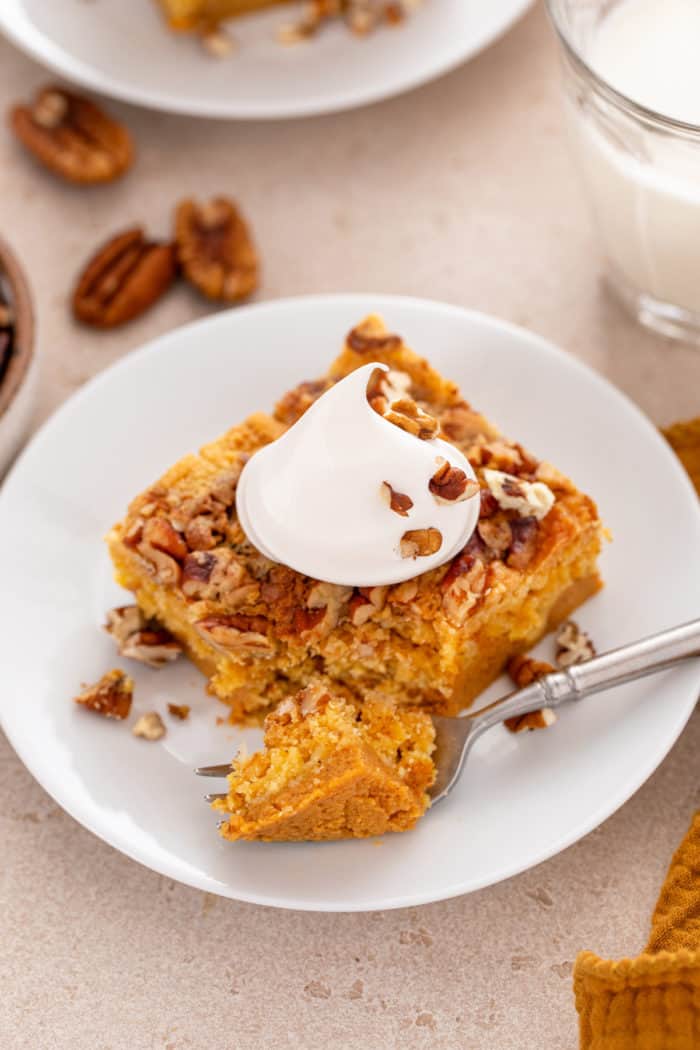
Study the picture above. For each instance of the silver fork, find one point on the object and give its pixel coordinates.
(455, 737)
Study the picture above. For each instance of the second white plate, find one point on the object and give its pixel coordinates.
(122, 48)
(521, 800)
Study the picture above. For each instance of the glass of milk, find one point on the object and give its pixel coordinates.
(632, 80)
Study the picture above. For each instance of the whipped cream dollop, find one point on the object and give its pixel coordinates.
(345, 496)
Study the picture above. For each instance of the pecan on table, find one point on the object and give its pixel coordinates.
(72, 136)
(216, 250)
(123, 279)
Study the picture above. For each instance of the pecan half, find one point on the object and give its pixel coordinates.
(399, 502)
(574, 646)
(420, 543)
(72, 136)
(126, 276)
(451, 485)
(215, 249)
(110, 697)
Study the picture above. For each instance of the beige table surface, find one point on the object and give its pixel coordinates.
(462, 191)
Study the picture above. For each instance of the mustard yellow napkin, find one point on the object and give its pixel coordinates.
(651, 1002)
(684, 439)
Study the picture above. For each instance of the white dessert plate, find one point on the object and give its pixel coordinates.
(522, 798)
(123, 48)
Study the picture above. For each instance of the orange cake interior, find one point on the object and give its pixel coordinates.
(331, 769)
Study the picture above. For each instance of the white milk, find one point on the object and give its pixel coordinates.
(645, 185)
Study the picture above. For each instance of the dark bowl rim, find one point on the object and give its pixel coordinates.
(23, 310)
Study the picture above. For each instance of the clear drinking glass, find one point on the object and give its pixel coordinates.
(641, 173)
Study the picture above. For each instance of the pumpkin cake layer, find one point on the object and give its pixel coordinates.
(260, 631)
(331, 770)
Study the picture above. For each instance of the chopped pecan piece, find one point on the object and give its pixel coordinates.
(159, 533)
(111, 696)
(463, 586)
(139, 638)
(574, 646)
(123, 621)
(333, 599)
(420, 543)
(370, 336)
(236, 632)
(215, 249)
(399, 502)
(531, 499)
(524, 670)
(409, 416)
(197, 570)
(403, 593)
(163, 549)
(377, 596)
(155, 648)
(461, 424)
(179, 711)
(385, 387)
(496, 534)
(360, 609)
(149, 726)
(293, 405)
(541, 719)
(305, 620)
(126, 276)
(451, 485)
(524, 545)
(489, 504)
(72, 136)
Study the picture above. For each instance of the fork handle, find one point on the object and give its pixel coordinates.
(658, 652)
